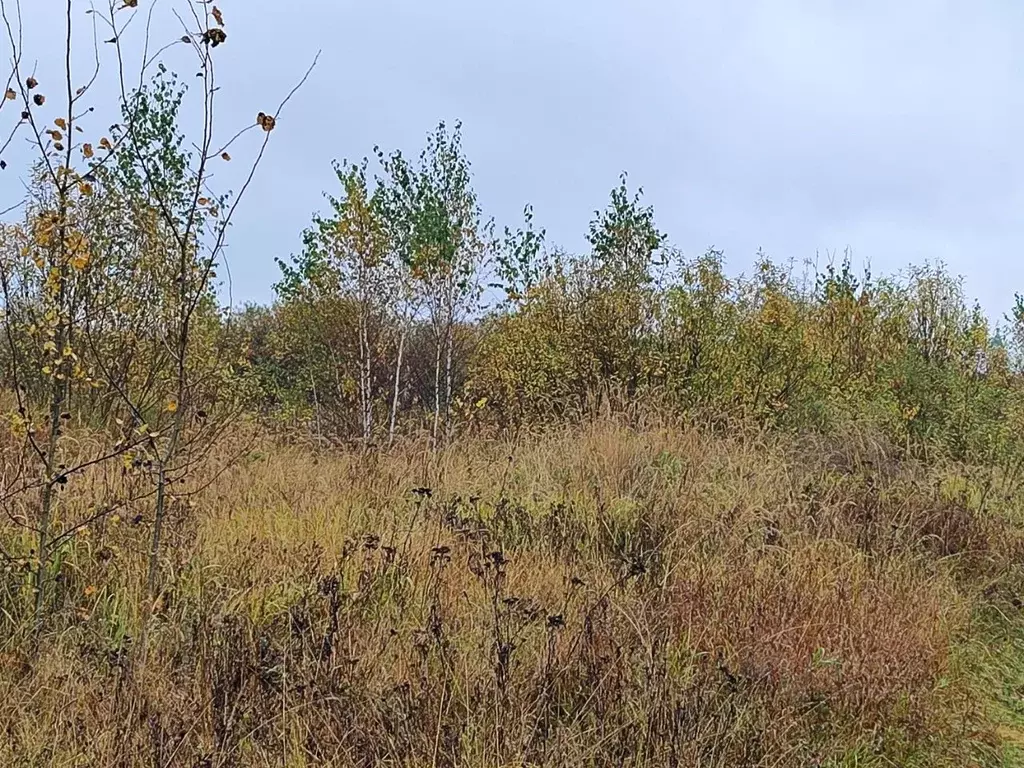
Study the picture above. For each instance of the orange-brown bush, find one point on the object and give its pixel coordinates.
(821, 625)
(597, 596)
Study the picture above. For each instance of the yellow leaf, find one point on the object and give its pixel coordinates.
(105, 143)
(11, 94)
(87, 151)
(90, 590)
(172, 406)
(218, 15)
(60, 123)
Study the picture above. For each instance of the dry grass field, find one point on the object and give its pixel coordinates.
(634, 595)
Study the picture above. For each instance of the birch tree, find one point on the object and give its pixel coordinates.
(347, 252)
(449, 243)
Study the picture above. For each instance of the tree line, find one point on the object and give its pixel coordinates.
(406, 310)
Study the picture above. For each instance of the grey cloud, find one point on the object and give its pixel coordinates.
(894, 128)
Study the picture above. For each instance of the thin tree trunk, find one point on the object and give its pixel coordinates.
(365, 373)
(46, 500)
(61, 389)
(316, 411)
(437, 384)
(59, 395)
(158, 529)
(177, 427)
(449, 343)
(162, 481)
(398, 383)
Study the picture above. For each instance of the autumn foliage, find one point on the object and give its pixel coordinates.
(459, 497)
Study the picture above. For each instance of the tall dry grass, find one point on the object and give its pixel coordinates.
(598, 596)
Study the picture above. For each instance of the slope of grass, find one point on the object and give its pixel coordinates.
(610, 595)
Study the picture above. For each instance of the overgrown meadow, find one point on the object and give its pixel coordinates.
(459, 497)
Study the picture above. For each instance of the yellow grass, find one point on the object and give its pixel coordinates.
(599, 596)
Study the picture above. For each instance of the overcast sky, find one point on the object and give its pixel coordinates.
(796, 126)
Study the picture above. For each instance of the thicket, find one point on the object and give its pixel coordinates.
(405, 311)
